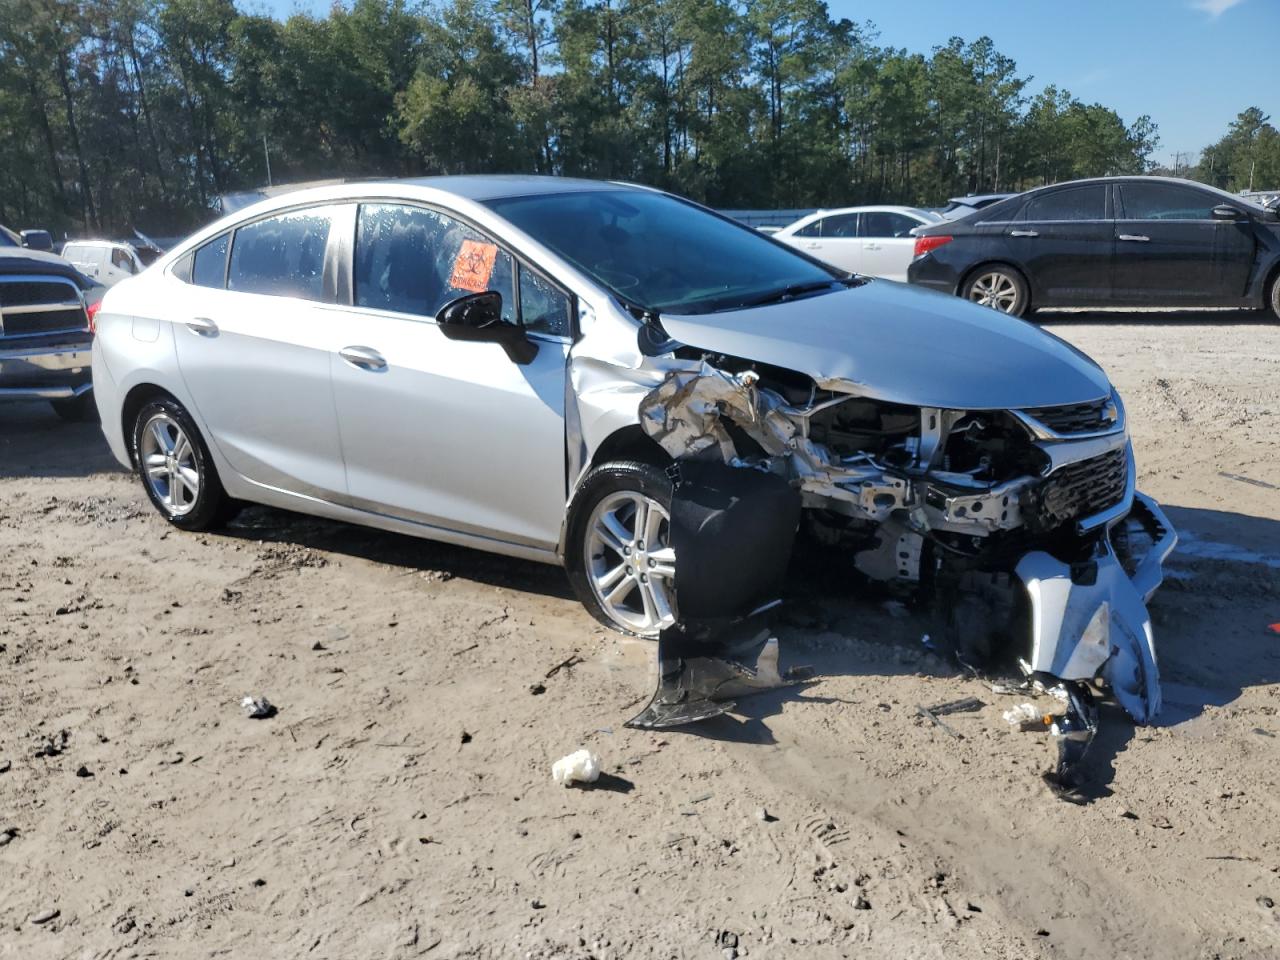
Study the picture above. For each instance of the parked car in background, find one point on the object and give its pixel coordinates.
(958, 207)
(46, 330)
(871, 241)
(1109, 242)
(107, 261)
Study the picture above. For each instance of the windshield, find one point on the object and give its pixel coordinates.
(7, 239)
(662, 254)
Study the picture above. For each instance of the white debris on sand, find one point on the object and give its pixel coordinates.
(583, 766)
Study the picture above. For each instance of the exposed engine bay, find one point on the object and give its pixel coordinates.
(1020, 527)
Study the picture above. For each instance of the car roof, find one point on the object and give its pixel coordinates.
(928, 216)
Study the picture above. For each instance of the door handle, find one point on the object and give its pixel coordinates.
(871, 246)
(366, 358)
(1023, 233)
(202, 326)
(1135, 237)
(813, 246)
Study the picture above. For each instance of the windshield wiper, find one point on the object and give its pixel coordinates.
(799, 290)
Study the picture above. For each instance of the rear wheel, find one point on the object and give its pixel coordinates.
(998, 287)
(177, 470)
(618, 552)
(1273, 297)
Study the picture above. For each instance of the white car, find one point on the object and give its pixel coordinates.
(872, 241)
(107, 261)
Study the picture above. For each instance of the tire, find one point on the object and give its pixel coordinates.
(81, 409)
(999, 287)
(163, 429)
(1273, 296)
(600, 565)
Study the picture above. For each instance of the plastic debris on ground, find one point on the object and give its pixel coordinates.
(582, 766)
(1024, 716)
(257, 708)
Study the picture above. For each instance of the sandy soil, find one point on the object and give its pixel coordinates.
(400, 804)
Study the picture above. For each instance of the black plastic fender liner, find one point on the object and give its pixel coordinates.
(732, 529)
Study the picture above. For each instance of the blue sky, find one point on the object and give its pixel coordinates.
(1191, 64)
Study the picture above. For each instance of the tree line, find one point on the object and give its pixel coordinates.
(124, 113)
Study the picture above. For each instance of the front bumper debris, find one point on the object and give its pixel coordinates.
(1091, 619)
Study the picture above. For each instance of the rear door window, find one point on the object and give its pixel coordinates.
(887, 224)
(842, 225)
(1165, 201)
(1073, 203)
(281, 256)
(414, 260)
(209, 269)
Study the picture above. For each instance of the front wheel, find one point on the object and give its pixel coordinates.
(177, 470)
(618, 552)
(1000, 288)
(1273, 298)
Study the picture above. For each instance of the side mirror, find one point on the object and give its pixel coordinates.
(1224, 211)
(477, 317)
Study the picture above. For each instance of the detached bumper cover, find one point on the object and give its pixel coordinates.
(1092, 620)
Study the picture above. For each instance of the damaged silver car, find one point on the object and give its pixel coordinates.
(663, 400)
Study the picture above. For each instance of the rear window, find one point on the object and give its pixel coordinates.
(210, 266)
(1074, 203)
(281, 256)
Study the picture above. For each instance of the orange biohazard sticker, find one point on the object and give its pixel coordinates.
(473, 266)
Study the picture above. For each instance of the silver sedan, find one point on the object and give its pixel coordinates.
(535, 366)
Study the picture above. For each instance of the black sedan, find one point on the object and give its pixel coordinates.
(1111, 242)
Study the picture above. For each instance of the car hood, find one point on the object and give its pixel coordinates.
(904, 345)
(22, 260)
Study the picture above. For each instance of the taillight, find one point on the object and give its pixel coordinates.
(92, 311)
(925, 244)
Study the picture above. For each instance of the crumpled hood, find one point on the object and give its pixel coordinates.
(904, 345)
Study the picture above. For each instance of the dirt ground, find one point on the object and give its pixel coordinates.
(400, 804)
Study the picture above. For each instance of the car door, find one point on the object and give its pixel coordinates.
(1062, 240)
(1170, 249)
(254, 344)
(443, 432)
(834, 240)
(887, 243)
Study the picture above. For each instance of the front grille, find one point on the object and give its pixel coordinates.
(46, 321)
(1076, 417)
(1079, 490)
(30, 306)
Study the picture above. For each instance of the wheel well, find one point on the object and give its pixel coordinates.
(133, 402)
(964, 281)
(631, 443)
(1272, 278)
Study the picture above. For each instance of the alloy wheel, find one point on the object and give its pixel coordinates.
(169, 465)
(630, 563)
(996, 290)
